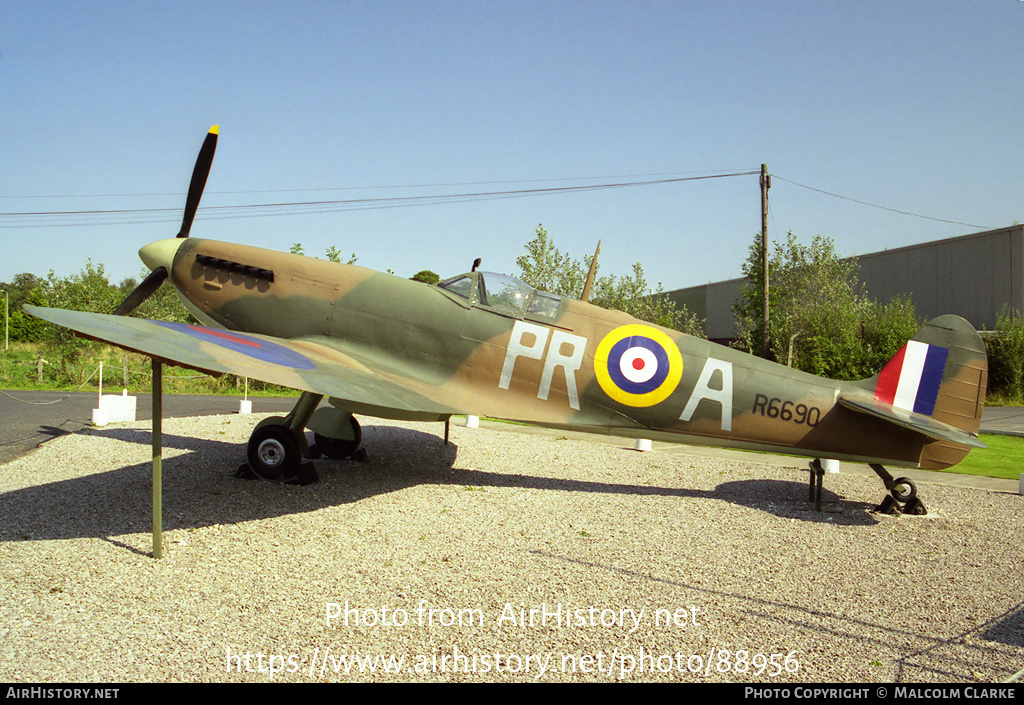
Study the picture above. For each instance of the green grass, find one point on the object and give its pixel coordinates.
(18, 372)
(1003, 458)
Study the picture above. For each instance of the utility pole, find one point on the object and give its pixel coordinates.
(766, 183)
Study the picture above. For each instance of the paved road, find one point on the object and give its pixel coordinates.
(28, 419)
(1003, 419)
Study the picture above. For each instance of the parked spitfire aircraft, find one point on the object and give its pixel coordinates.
(487, 344)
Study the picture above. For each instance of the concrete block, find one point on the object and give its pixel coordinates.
(114, 408)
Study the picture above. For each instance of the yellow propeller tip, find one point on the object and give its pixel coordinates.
(215, 130)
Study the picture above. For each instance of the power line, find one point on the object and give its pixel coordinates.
(875, 205)
(709, 173)
(259, 210)
(81, 218)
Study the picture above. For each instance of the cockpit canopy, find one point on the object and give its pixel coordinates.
(503, 293)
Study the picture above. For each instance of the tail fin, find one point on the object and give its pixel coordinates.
(941, 372)
(934, 385)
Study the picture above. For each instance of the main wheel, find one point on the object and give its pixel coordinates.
(339, 448)
(273, 452)
(903, 490)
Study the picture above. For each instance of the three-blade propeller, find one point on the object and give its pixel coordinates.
(142, 292)
(195, 192)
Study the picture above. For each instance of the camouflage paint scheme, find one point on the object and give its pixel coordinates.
(489, 345)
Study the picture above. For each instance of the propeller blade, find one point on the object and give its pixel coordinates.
(142, 292)
(198, 183)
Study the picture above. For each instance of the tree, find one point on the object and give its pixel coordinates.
(820, 320)
(546, 268)
(884, 330)
(426, 276)
(748, 308)
(25, 288)
(333, 254)
(632, 295)
(88, 290)
(163, 305)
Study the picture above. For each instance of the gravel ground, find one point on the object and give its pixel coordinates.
(501, 557)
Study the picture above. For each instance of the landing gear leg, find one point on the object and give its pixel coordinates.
(817, 482)
(902, 497)
(278, 444)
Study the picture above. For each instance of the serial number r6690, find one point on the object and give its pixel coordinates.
(775, 408)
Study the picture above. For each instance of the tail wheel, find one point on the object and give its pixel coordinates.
(273, 452)
(903, 490)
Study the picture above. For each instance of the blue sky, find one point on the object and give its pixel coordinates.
(916, 106)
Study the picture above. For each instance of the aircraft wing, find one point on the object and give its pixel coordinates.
(304, 364)
(915, 422)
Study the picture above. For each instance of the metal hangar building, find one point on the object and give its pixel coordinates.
(973, 276)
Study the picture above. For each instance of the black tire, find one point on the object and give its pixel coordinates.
(908, 491)
(337, 448)
(273, 452)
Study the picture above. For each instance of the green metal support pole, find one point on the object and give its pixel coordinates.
(157, 460)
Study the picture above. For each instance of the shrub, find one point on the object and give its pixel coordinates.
(1006, 355)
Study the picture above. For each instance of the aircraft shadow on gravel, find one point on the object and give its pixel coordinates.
(200, 489)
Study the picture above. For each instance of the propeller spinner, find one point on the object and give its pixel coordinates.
(195, 192)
